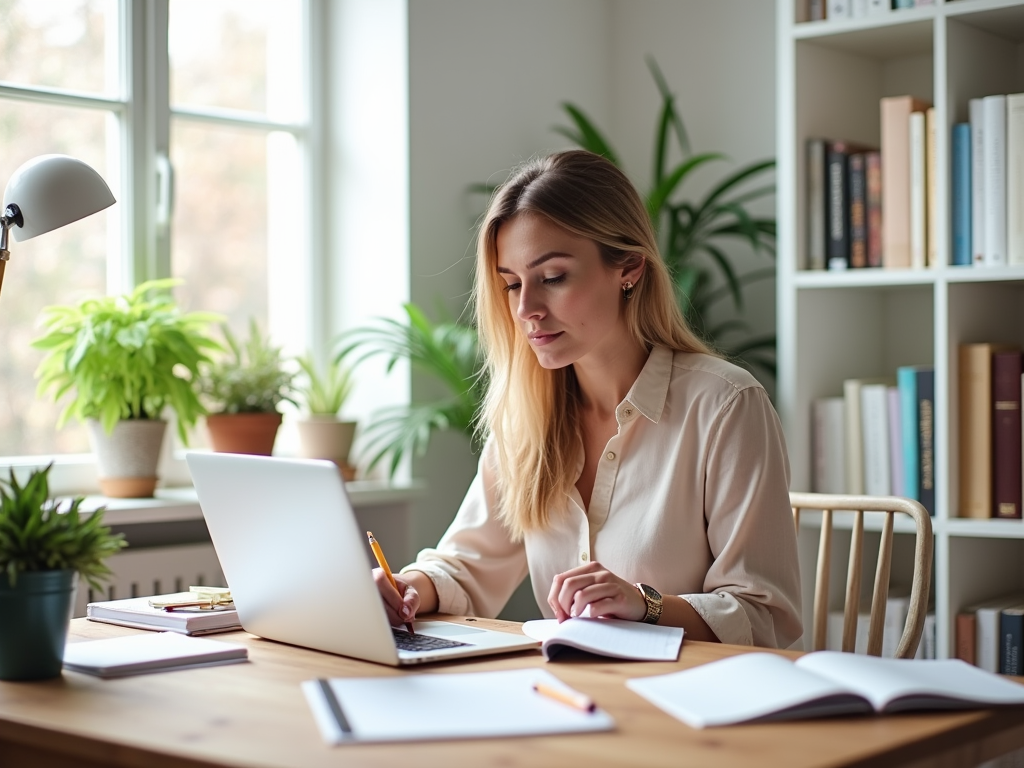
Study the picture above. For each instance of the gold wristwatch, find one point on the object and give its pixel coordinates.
(654, 603)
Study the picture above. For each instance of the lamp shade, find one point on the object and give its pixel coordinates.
(54, 190)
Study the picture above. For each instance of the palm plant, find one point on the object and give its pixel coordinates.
(447, 351)
(692, 233)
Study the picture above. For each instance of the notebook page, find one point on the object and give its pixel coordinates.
(609, 637)
(449, 706)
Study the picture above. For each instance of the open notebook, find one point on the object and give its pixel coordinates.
(607, 637)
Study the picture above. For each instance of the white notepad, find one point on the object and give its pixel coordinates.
(151, 652)
(607, 637)
(467, 705)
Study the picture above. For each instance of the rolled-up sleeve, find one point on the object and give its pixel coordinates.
(752, 589)
(476, 566)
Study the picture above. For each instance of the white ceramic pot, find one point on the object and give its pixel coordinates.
(327, 437)
(127, 458)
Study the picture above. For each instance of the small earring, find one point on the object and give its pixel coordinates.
(627, 291)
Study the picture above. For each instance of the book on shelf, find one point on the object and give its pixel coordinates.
(897, 608)
(815, 257)
(1015, 177)
(828, 419)
(1011, 636)
(974, 379)
(1006, 435)
(879, 6)
(961, 195)
(874, 412)
(816, 10)
(900, 4)
(926, 437)
(138, 654)
(606, 637)
(977, 123)
(858, 210)
(839, 9)
(964, 640)
(896, 214)
(994, 159)
(762, 687)
(873, 173)
(933, 222)
(918, 191)
(838, 236)
(897, 472)
(855, 432)
(138, 613)
(906, 383)
(988, 642)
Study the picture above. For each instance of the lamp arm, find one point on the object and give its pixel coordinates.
(12, 217)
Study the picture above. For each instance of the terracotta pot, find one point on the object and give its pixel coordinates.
(127, 458)
(243, 432)
(326, 437)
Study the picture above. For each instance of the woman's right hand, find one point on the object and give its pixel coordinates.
(401, 604)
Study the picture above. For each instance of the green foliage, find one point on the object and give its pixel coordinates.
(325, 391)
(37, 535)
(447, 351)
(125, 357)
(692, 233)
(251, 379)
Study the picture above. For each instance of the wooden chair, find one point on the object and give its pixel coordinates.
(828, 503)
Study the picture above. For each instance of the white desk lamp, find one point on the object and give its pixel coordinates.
(46, 193)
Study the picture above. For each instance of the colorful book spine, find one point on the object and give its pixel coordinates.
(906, 382)
(926, 432)
(961, 194)
(873, 174)
(1011, 636)
(837, 206)
(1006, 435)
(965, 637)
(858, 211)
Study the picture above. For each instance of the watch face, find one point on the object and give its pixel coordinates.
(651, 592)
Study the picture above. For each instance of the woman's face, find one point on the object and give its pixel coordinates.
(565, 299)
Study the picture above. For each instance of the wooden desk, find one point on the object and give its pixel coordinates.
(254, 715)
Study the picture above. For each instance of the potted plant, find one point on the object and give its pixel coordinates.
(123, 360)
(322, 432)
(446, 351)
(43, 547)
(243, 390)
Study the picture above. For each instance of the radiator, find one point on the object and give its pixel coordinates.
(154, 571)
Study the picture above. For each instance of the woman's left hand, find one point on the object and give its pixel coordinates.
(595, 586)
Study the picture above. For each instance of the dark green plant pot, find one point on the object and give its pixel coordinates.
(34, 616)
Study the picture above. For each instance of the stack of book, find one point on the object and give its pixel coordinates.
(878, 438)
(819, 10)
(990, 385)
(990, 634)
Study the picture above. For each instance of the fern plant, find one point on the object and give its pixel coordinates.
(125, 357)
(36, 534)
(447, 351)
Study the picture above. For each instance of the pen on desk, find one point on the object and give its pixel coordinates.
(572, 698)
(379, 554)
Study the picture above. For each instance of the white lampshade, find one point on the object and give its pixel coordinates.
(54, 190)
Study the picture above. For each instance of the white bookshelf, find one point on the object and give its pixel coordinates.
(838, 325)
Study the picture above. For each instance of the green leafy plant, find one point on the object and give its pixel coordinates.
(251, 378)
(36, 534)
(692, 234)
(125, 357)
(324, 391)
(447, 351)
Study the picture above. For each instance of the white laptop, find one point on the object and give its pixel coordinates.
(299, 566)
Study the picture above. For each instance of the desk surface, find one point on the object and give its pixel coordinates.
(254, 715)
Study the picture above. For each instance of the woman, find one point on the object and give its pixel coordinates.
(630, 471)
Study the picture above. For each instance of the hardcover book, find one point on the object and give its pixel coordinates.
(1015, 177)
(918, 192)
(896, 213)
(858, 211)
(873, 172)
(994, 158)
(815, 257)
(977, 122)
(961, 194)
(1006, 435)
(1011, 634)
(926, 437)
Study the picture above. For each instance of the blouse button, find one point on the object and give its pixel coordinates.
(610, 455)
(583, 557)
(628, 412)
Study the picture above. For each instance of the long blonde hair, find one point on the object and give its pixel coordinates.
(533, 414)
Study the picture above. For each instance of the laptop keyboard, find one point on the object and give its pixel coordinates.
(407, 642)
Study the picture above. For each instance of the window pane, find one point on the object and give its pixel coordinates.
(220, 57)
(60, 267)
(219, 232)
(69, 44)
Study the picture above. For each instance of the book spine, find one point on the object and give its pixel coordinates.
(931, 215)
(858, 8)
(927, 649)
(858, 205)
(899, 4)
(838, 9)
(975, 443)
(926, 430)
(961, 194)
(977, 118)
(829, 414)
(918, 194)
(1006, 435)
(987, 643)
(1011, 634)
(906, 382)
(816, 10)
(854, 439)
(965, 637)
(994, 156)
(897, 475)
(874, 423)
(837, 236)
(816, 217)
(895, 132)
(879, 6)
(873, 174)
(1015, 177)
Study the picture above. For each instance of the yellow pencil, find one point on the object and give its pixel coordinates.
(379, 554)
(572, 698)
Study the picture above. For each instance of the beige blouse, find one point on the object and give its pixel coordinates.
(691, 497)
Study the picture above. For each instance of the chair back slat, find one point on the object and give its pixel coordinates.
(852, 611)
(923, 552)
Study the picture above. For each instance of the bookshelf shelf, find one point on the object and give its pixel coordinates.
(866, 322)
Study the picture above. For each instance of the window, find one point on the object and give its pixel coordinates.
(196, 114)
